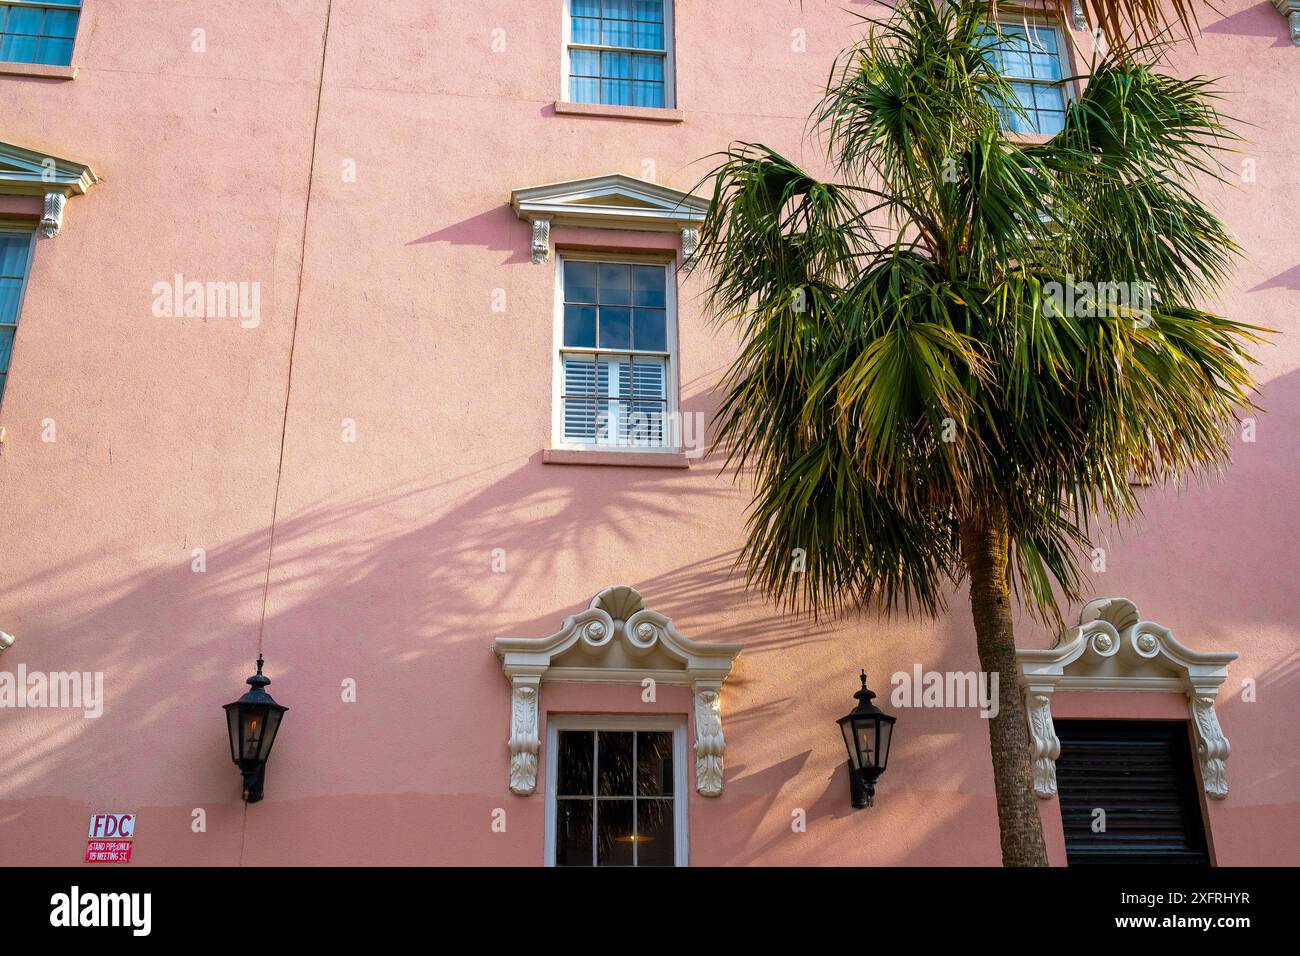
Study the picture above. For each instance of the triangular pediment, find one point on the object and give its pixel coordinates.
(29, 172)
(615, 201)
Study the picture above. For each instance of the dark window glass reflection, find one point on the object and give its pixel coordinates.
(615, 798)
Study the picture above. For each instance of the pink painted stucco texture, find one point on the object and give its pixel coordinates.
(233, 164)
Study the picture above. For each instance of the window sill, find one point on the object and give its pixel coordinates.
(653, 114)
(627, 459)
(44, 70)
(1029, 139)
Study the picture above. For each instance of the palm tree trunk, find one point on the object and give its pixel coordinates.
(984, 545)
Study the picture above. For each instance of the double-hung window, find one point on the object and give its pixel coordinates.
(15, 258)
(617, 793)
(38, 31)
(618, 52)
(616, 342)
(1030, 54)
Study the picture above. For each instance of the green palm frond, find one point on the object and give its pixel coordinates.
(938, 336)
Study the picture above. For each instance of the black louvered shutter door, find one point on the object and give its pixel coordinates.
(1141, 774)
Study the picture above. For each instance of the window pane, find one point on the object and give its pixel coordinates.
(13, 255)
(585, 30)
(579, 281)
(1014, 63)
(615, 284)
(25, 20)
(584, 63)
(615, 327)
(648, 94)
(648, 68)
(648, 379)
(648, 286)
(614, 764)
(18, 49)
(1046, 66)
(580, 419)
(1042, 38)
(648, 36)
(1050, 98)
(649, 10)
(645, 425)
(610, 417)
(580, 375)
(10, 290)
(55, 52)
(6, 345)
(616, 92)
(60, 23)
(573, 832)
(584, 90)
(651, 330)
(616, 32)
(654, 833)
(580, 326)
(3, 378)
(1050, 122)
(585, 8)
(618, 9)
(615, 832)
(617, 65)
(654, 761)
(576, 750)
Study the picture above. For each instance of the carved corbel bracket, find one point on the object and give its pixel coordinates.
(690, 248)
(709, 742)
(1046, 746)
(1212, 747)
(1078, 19)
(541, 248)
(1291, 10)
(52, 217)
(525, 738)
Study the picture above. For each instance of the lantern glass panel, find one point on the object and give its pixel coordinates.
(273, 716)
(866, 731)
(886, 733)
(252, 727)
(850, 743)
(232, 724)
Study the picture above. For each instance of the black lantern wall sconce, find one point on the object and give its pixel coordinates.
(253, 721)
(867, 732)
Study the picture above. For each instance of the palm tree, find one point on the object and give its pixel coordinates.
(927, 388)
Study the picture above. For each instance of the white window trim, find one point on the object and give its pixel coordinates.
(8, 228)
(670, 65)
(671, 375)
(681, 792)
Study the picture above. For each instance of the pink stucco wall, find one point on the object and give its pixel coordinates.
(169, 439)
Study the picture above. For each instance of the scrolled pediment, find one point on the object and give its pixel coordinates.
(1113, 649)
(615, 640)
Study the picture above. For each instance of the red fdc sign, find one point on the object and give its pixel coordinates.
(108, 851)
(110, 838)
